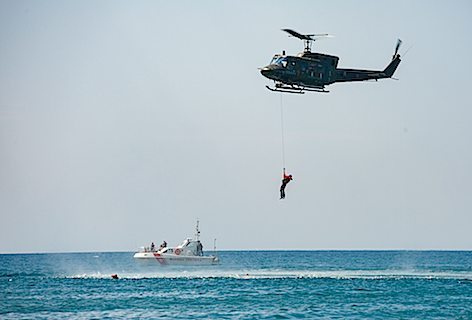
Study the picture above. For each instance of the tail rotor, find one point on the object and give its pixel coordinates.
(397, 47)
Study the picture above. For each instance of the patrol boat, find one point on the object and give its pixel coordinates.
(190, 252)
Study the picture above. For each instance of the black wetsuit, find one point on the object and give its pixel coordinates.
(285, 180)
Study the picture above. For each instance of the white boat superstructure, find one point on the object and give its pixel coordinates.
(190, 252)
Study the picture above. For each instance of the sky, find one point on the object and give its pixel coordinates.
(123, 122)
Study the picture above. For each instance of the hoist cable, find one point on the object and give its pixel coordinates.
(282, 130)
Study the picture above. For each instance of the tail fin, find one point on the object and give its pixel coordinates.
(392, 66)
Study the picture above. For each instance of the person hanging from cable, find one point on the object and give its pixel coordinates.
(285, 181)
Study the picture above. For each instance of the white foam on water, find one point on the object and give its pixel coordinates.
(281, 274)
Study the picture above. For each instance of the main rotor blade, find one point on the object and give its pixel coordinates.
(298, 35)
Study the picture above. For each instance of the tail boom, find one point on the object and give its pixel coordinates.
(349, 75)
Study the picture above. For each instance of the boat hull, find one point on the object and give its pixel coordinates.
(173, 259)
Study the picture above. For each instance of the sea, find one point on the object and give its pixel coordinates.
(245, 285)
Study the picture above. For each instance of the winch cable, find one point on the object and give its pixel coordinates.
(282, 130)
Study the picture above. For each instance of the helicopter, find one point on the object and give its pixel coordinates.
(312, 71)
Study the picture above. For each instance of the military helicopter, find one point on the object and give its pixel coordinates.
(312, 71)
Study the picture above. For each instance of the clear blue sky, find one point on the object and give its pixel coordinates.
(121, 122)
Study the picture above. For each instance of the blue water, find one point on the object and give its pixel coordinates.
(246, 285)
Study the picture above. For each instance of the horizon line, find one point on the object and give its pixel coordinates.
(247, 250)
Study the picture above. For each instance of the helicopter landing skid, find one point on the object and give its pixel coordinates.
(287, 90)
(295, 89)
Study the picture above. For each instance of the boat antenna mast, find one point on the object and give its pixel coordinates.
(214, 247)
(197, 231)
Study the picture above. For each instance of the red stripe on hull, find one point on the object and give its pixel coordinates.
(159, 258)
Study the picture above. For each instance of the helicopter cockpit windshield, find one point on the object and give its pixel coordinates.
(281, 61)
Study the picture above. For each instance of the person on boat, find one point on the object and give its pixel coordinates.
(152, 246)
(164, 244)
(199, 249)
(286, 179)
